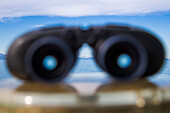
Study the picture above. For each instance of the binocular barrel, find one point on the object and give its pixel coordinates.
(49, 54)
(43, 55)
(129, 55)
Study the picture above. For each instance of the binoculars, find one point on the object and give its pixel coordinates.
(125, 53)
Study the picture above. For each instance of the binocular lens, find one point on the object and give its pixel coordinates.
(124, 61)
(49, 59)
(50, 62)
(122, 56)
(44, 61)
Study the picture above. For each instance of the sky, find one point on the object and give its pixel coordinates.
(20, 16)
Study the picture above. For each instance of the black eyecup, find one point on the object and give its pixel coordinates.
(64, 51)
(109, 45)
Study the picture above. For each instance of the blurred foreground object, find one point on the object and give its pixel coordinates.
(48, 54)
(136, 97)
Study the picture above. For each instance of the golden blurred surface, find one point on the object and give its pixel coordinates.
(141, 96)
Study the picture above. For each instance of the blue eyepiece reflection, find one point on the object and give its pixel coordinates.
(124, 61)
(50, 62)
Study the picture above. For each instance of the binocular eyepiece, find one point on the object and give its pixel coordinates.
(48, 54)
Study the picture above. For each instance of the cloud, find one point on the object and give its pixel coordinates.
(38, 26)
(1, 19)
(74, 8)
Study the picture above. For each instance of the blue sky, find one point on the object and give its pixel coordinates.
(20, 16)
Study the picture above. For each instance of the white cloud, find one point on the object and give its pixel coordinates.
(1, 19)
(73, 8)
(38, 26)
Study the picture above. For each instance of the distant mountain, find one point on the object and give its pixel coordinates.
(167, 58)
(2, 56)
(85, 57)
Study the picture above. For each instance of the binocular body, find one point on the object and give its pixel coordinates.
(141, 53)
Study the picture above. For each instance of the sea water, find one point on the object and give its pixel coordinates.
(86, 69)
